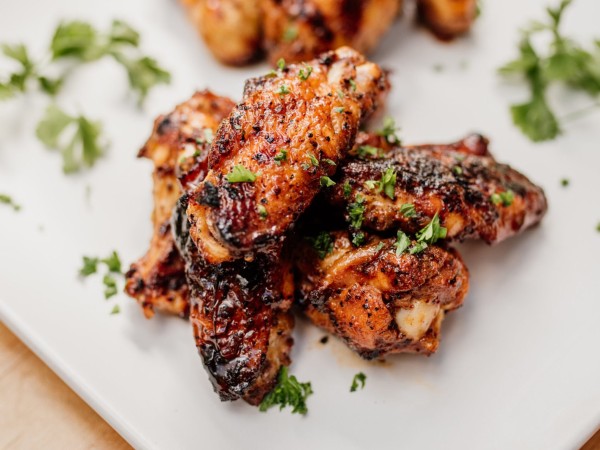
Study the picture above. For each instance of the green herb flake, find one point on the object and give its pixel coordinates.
(113, 262)
(305, 72)
(367, 150)
(262, 212)
(280, 157)
(358, 239)
(288, 392)
(432, 232)
(347, 189)
(389, 131)
(239, 174)
(339, 109)
(290, 34)
(115, 310)
(356, 212)
(90, 266)
(371, 184)
(322, 243)
(281, 63)
(7, 200)
(329, 161)
(379, 247)
(402, 242)
(457, 170)
(110, 286)
(352, 84)
(327, 182)
(283, 90)
(408, 210)
(387, 184)
(505, 198)
(565, 182)
(313, 159)
(417, 247)
(358, 381)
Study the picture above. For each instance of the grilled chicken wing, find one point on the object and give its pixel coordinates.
(230, 28)
(157, 280)
(239, 316)
(288, 133)
(298, 30)
(475, 196)
(379, 302)
(447, 18)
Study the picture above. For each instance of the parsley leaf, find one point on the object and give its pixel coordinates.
(370, 184)
(347, 189)
(7, 200)
(402, 242)
(327, 182)
(322, 243)
(356, 212)
(313, 159)
(281, 63)
(262, 212)
(358, 239)
(408, 210)
(281, 156)
(432, 232)
(83, 148)
(389, 131)
(90, 266)
(116, 310)
(283, 90)
(359, 379)
(305, 72)
(503, 198)
(387, 184)
(367, 150)
(113, 262)
(239, 174)
(287, 392)
(144, 73)
(110, 286)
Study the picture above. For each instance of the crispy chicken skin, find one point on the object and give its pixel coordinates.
(313, 120)
(298, 30)
(230, 28)
(157, 280)
(377, 302)
(457, 181)
(447, 18)
(239, 317)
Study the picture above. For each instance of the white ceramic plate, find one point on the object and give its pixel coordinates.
(518, 366)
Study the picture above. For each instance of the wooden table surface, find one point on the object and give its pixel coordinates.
(37, 410)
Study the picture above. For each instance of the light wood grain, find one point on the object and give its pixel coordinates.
(37, 410)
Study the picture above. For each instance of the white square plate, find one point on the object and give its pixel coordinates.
(518, 366)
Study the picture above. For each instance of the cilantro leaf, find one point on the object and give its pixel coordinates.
(287, 392)
(239, 174)
(359, 379)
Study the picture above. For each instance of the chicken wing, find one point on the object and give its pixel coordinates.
(447, 18)
(239, 317)
(230, 28)
(275, 149)
(178, 143)
(377, 301)
(474, 196)
(298, 30)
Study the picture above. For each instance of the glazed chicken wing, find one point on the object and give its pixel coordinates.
(230, 28)
(447, 18)
(239, 317)
(270, 157)
(377, 301)
(298, 30)
(474, 195)
(157, 280)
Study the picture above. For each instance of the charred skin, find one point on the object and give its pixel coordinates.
(317, 118)
(179, 149)
(239, 317)
(456, 181)
(232, 29)
(377, 302)
(299, 30)
(447, 18)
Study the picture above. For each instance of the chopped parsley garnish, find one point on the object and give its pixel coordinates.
(81, 147)
(417, 247)
(313, 159)
(239, 174)
(340, 94)
(371, 184)
(402, 242)
(116, 310)
(305, 72)
(379, 247)
(290, 34)
(389, 131)
(356, 212)
(110, 286)
(329, 161)
(339, 109)
(90, 266)
(408, 210)
(262, 212)
(347, 189)
(281, 156)
(566, 61)
(322, 243)
(352, 84)
(283, 90)
(457, 170)
(432, 232)
(565, 182)
(81, 42)
(281, 63)
(288, 392)
(502, 198)
(387, 184)
(113, 266)
(358, 380)
(358, 239)
(7, 200)
(368, 150)
(327, 182)
(113, 262)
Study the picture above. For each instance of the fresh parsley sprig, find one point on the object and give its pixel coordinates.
(113, 270)
(288, 392)
(322, 243)
(358, 380)
(565, 61)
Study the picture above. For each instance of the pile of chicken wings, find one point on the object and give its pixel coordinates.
(238, 32)
(282, 202)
